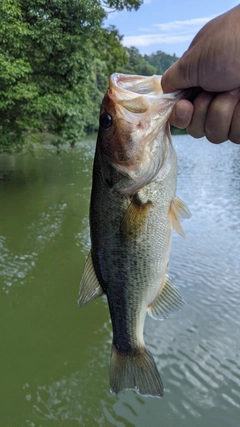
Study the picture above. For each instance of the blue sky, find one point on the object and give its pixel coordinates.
(167, 25)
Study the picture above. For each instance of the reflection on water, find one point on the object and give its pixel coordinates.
(14, 267)
(70, 397)
(55, 358)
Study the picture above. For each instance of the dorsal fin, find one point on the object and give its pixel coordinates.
(89, 286)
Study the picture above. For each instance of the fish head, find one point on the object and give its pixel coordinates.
(116, 132)
(134, 132)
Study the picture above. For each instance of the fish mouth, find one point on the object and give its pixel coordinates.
(134, 93)
(136, 84)
(137, 93)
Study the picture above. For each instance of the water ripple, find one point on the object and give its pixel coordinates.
(14, 268)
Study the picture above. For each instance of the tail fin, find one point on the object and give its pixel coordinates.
(137, 371)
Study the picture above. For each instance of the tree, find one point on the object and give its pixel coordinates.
(113, 57)
(137, 64)
(121, 4)
(48, 52)
(160, 60)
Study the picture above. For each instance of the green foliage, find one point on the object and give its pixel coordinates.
(50, 53)
(113, 57)
(137, 64)
(121, 4)
(161, 61)
(55, 61)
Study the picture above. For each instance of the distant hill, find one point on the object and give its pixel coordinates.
(147, 65)
(160, 60)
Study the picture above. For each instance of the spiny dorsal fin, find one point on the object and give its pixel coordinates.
(89, 286)
(177, 210)
(167, 301)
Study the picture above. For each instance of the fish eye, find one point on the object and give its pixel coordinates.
(105, 121)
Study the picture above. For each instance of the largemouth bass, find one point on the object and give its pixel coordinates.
(132, 213)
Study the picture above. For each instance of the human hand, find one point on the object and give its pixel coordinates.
(212, 63)
(216, 116)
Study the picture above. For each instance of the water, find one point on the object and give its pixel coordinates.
(55, 357)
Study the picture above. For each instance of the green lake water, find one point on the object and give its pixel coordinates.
(55, 357)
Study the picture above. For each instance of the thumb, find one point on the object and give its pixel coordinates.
(174, 78)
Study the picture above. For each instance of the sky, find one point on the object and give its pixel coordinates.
(167, 25)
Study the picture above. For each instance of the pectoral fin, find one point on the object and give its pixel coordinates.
(89, 285)
(135, 217)
(178, 210)
(167, 301)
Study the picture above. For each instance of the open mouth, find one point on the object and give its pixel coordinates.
(134, 93)
(137, 93)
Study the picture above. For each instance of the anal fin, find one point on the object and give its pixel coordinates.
(89, 286)
(167, 301)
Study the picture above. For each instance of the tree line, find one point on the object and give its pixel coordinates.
(55, 60)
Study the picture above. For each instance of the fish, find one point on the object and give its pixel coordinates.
(133, 210)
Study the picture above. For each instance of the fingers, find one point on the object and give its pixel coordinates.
(201, 106)
(219, 117)
(216, 117)
(182, 114)
(234, 134)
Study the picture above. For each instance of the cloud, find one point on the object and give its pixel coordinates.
(168, 33)
(149, 39)
(182, 25)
